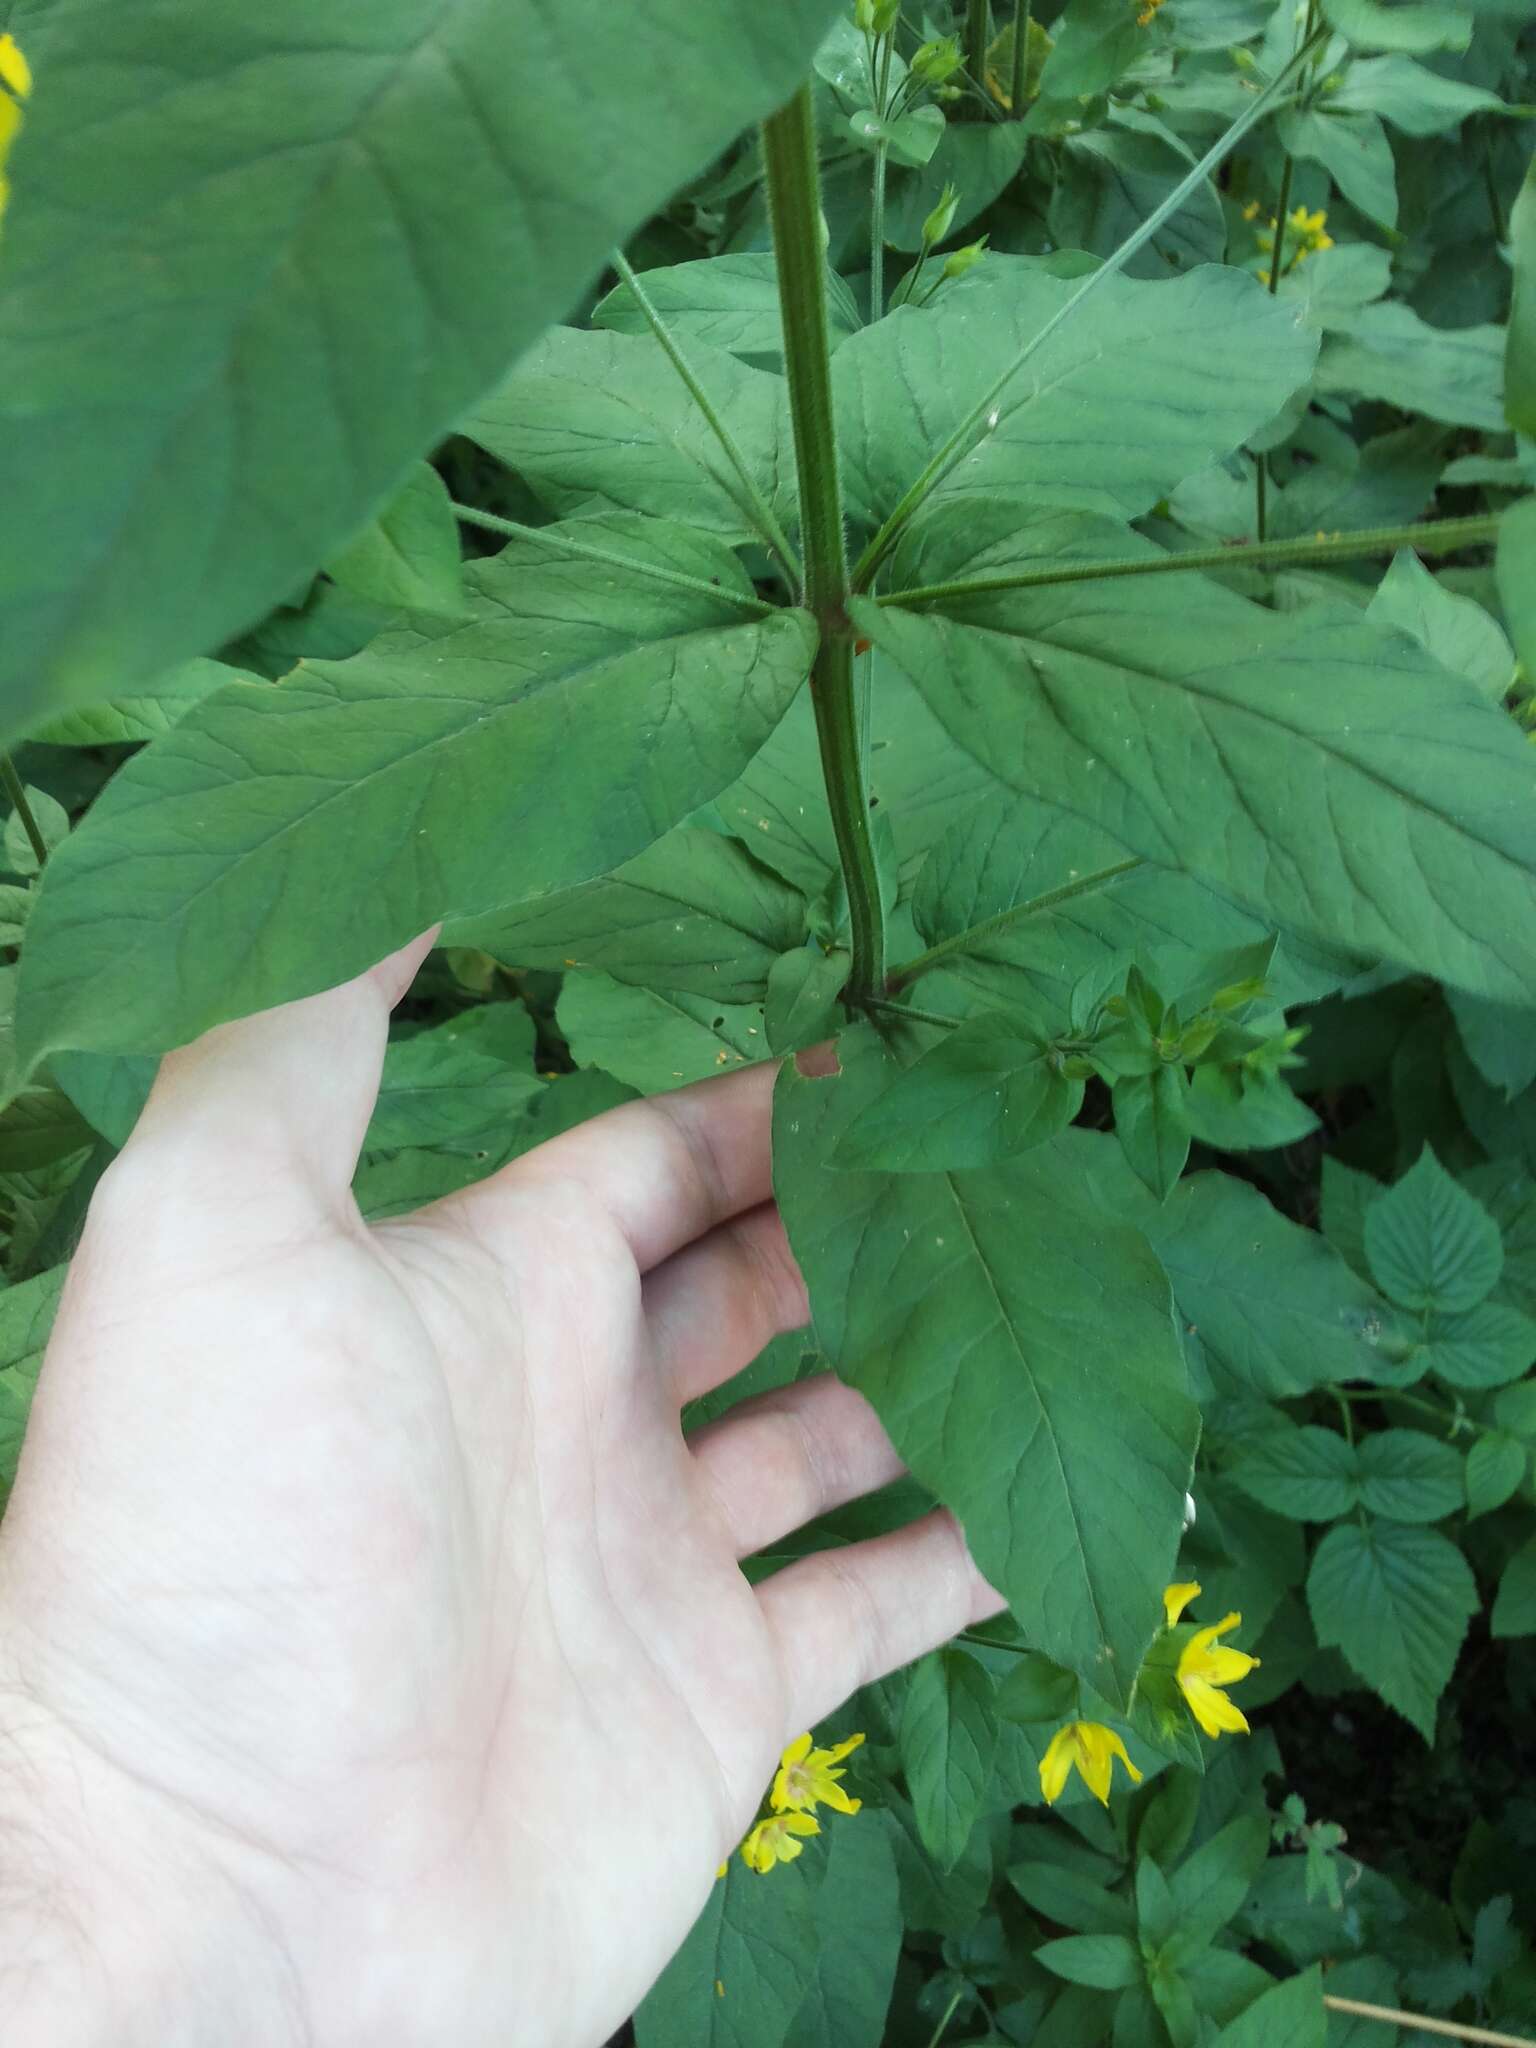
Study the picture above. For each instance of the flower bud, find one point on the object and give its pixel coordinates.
(941, 220)
(937, 61)
(965, 259)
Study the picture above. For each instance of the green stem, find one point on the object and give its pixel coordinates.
(1261, 472)
(1451, 1423)
(760, 512)
(1016, 87)
(15, 789)
(967, 941)
(877, 239)
(1433, 537)
(912, 1014)
(789, 159)
(945, 2017)
(560, 541)
(977, 36)
(981, 415)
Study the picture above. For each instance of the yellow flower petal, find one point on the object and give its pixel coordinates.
(1056, 1764)
(10, 121)
(798, 1749)
(835, 1756)
(1092, 1748)
(1211, 1707)
(14, 68)
(1177, 1598)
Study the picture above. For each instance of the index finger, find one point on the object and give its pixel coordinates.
(665, 1170)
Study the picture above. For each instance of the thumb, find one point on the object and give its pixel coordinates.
(281, 1098)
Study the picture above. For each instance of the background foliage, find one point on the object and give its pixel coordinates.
(1188, 1145)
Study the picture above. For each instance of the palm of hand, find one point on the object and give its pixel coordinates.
(388, 1582)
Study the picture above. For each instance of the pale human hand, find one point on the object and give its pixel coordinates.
(375, 1666)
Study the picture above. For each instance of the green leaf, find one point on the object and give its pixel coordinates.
(656, 1040)
(1155, 1910)
(595, 422)
(15, 903)
(26, 1318)
(1152, 1124)
(1496, 1465)
(39, 1126)
(1520, 344)
(1396, 1601)
(747, 1967)
(1390, 354)
(1291, 2013)
(858, 1913)
(694, 913)
(979, 158)
(216, 365)
(1353, 149)
(1412, 97)
(108, 1089)
(911, 138)
(1113, 177)
(1455, 630)
(1104, 1962)
(1071, 1898)
(1095, 42)
(1416, 25)
(52, 822)
(1410, 1477)
(1236, 1109)
(457, 1080)
(1514, 1605)
(802, 1002)
(1333, 285)
(154, 708)
(1311, 764)
(730, 302)
(1498, 1038)
(1214, 358)
(1210, 1886)
(1431, 1245)
(1038, 1392)
(409, 553)
(1308, 1475)
(159, 917)
(948, 1739)
(983, 1093)
(1484, 1347)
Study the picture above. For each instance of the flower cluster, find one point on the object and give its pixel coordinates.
(15, 86)
(1306, 232)
(806, 1778)
(1204, 1667)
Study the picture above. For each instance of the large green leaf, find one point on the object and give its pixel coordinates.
(858, 1913)
(598, 422)
(1455, 630)
(328, 232)
(279, 840)
(1113, 177)
(727, 302)
(1314, 765)
(747, 1966)
(1149, 383)
(656, 1039)
(1396, 1601)
(693, 912)
(471, 1075)
(1520, 349)
(1389, 353)
(1019, 1348)
(1430, 1244)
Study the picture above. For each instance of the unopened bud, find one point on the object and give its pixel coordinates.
(942, 218)
(937, 61)
(965, 259)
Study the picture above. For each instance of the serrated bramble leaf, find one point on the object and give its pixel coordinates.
(1410, 1477)
(1307, 1474)
(1514, 1606)
(219, 363)
(277, 841)
(1431, 1245)
(1396, 1601)
(1041, 1398)
(1487, 1346)
(1496, 1464)
(1310, 764)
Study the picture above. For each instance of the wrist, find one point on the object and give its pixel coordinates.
(114, 1928)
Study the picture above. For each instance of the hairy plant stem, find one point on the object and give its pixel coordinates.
(1276, 266)
(759, 512)
(789, 160)
(964, 438)
(877, 238)
(967, 941)
(1020, 74)
(15, 789)
(977, 25)
(1433, 537)
(560, 542)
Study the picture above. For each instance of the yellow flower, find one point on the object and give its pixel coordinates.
(1206, 1665)
(14, 69)
(1147, 12)
(1092, 1748)
(806, 1777)
(774, 1840)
